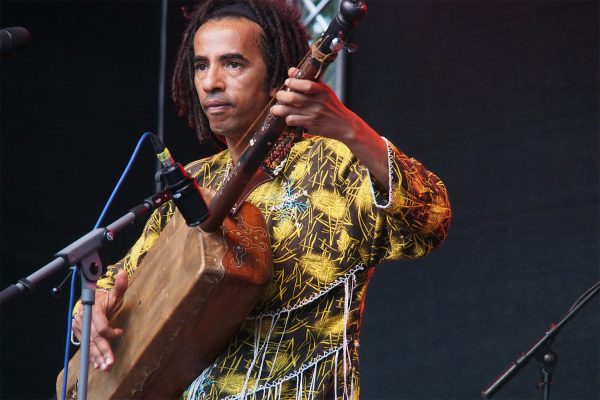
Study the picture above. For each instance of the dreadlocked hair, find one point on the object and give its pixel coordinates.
(283, 43)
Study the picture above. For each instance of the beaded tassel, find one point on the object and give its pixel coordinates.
(281, 148)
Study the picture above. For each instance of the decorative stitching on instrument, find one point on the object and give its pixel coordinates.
(267, 121)
(227, 170)
(239, 252)
(250, 236)
(321, 293)
(247, 237)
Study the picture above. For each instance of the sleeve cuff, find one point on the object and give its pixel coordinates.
(381, 198)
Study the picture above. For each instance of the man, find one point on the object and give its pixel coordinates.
(336, 205)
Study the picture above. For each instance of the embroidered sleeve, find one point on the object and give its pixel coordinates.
(134, 256)
(408, 219)
(416, 209)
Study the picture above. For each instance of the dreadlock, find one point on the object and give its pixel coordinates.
(283, 43)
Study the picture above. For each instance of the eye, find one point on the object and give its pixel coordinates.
(234, 65)
(200, 66)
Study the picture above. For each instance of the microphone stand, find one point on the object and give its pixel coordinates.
(84, 253)
(542, 351)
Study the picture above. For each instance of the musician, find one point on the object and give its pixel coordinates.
(337, 202)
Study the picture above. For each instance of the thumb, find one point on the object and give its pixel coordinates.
(292, 72)
(116, 293)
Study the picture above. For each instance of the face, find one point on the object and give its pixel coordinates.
(230, 74)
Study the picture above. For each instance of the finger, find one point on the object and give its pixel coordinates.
(106, 358)
(299, 120)
(115, 295)
(290, 98)
(99, 315)
(292, 116)
(111, 333)
(301, 85)
(293, 72)
(101, 356)
(101, 326)
(95, 355)
(283, 110)
(121, 283)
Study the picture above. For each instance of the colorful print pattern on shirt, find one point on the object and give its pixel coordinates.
(329, 223)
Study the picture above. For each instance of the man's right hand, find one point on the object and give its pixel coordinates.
(107, 302)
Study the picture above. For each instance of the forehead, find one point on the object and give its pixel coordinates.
(229, 34)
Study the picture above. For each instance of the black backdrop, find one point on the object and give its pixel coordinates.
(499, 98)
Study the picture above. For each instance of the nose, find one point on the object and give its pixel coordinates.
(213, 80)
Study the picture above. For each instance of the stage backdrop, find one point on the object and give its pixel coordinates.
(500, 99)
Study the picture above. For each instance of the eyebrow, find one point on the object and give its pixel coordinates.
(224, 57)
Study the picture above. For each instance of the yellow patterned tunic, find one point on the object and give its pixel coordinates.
(329, 225)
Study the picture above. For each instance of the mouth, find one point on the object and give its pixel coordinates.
(215, 107)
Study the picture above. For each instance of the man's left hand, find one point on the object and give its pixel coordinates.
(314, 106)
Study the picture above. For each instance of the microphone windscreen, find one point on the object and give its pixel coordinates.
(13, 39)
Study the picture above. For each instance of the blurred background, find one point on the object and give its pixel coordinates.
(499, 98)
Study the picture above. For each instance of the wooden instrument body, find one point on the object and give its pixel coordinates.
(187, 298)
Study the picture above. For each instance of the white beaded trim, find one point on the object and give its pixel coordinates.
(291, 375)
(74, 341)
(321, 293)
(390, 152)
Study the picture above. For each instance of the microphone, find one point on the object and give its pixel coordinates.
(13, 39)
(184, 189)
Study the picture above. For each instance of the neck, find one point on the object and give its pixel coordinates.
(236, 148)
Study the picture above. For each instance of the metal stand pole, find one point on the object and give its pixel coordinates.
(84, 253)
(547, 358)
(541, 351)
(91, 269)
